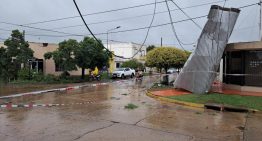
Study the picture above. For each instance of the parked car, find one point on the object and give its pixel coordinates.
(171, 70)
(123, 73)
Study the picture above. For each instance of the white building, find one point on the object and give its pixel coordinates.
(126, 50)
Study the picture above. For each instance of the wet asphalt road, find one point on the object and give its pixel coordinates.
(103, 117)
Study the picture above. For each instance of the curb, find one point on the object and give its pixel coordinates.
(31, 105)
(195, 105)
(60, 89)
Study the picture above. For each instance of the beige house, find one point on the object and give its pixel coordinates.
(46, 66)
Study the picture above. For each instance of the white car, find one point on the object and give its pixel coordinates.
(123, 73)
(171, 70)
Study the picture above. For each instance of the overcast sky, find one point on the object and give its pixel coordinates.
(28, 11)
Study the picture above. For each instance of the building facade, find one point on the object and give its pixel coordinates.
(126, 50)
(242, 67)
(40, 64)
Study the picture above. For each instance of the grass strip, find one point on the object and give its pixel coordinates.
(252, 102)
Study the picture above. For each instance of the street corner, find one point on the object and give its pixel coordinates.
(163, 95)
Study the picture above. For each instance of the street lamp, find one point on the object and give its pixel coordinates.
(108, 33)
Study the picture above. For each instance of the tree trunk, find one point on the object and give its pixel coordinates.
(166, 68)
(83, 74)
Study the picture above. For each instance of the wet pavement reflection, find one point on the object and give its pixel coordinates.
(105, 117)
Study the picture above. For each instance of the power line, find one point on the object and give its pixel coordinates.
(43, 29)
(154, 13)
(133, 17)
(71, 34)
(103, 45)
(186, 15)
(44, 35)
(95, 13)
(121, 31)
(194, 21)
(92, 32)
(55, 31)
(128, 30)
(153, 26)
(249, 5)
(172, 26)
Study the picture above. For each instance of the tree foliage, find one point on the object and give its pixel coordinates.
(149, 48)
(91, 54)
(64, 56)
(188, 53)
(87, 54)
(134, 64)
(17, 52)
(166, 57)
(18, 48)
(4, 65)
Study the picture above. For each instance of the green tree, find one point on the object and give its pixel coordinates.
(18, 48)
(64, 56)
(188, 53)
(151, 47)
(166, 57)
(17, 52)
(134, 64)
(91, 54)
(4, 65)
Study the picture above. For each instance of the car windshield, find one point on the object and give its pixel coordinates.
(120, 69)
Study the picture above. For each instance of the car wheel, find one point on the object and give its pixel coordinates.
(122, 76)
(132, 75)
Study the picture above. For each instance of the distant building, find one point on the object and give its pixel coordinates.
(126, 50)
(242, 66)
(46, 66)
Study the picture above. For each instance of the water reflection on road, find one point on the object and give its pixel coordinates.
(105, 117)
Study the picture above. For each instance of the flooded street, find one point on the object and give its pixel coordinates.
(99, 114)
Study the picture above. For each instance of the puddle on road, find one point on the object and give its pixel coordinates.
(150, 114)
(94, 94)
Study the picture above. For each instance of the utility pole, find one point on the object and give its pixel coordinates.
(260, 20)
(24, 35)
(107, 39)
(107, 36)
(161, 41)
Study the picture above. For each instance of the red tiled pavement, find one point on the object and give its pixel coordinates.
(216, 88)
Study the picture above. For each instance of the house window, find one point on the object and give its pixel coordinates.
(117, 65)
(45, 44)
(38, 65)
(58, 68)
